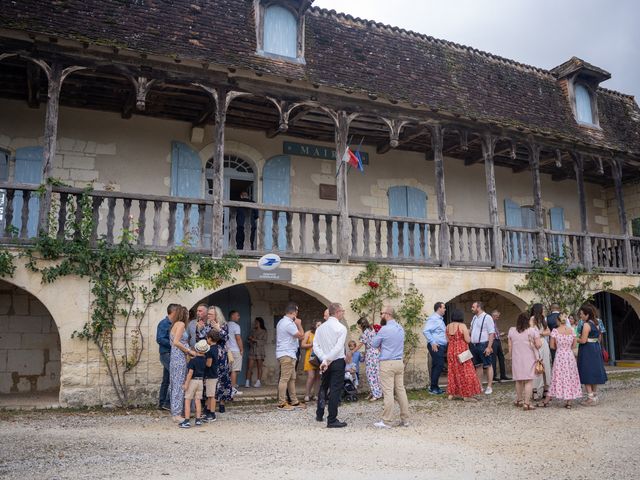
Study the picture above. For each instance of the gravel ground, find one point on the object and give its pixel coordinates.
(490, 439)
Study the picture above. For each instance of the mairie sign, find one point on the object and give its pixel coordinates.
(316, 151)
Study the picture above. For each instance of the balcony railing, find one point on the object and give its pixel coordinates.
(162, 223)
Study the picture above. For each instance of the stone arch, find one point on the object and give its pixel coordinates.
(506, 302)
(30, 349)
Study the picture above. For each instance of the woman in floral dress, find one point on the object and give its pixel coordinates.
(371, 359)
(223, 390)
(462, 380)
(565, 380)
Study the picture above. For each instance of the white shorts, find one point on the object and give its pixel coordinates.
(236, 366)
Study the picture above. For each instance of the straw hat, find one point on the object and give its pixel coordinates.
(202, 346)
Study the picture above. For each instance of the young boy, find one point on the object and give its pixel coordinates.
(356, 358)
(193, 385)
(211, 375)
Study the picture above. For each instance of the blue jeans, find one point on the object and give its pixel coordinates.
(164, 400)
(437, 364)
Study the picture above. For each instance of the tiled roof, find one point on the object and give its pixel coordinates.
(342, 52)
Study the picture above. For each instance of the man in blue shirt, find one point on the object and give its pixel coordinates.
(390, 341)
(162, 337)
(434, 332)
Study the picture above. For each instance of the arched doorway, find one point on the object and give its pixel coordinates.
(622, 326)
(267, 300)
(29, 350)
(507, 304)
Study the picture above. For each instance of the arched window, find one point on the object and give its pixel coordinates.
(280, 35)
(584, 113)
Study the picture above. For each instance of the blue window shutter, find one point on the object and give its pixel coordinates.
(186, 181)
(416, 208)
(28, 170)
(557, 224)
(276, 190)
(513, 218)
(280, 32)
(528, 217)
(583, 104)
(397, 208)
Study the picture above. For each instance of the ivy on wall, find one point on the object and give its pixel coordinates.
(122, 291)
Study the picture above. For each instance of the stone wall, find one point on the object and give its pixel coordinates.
(29, 344)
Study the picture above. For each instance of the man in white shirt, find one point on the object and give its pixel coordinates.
(236, 348)
(329, 345)
(483, 332)
(288, 335)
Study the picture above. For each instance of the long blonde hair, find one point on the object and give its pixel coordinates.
(219, 316)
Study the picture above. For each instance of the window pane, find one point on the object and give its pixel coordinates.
(583, 105)
(280, 32)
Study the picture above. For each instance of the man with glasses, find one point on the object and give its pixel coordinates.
(329, 345)
(289, 332)
(390, 341)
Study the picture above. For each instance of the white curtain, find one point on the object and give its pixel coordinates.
(280, 32)
(583, 104)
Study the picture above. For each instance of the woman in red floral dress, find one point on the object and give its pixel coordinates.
(462, 379)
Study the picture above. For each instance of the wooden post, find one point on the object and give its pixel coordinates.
(488, 149)
(437, 140)
(341, 134)
(578, 167)
(218, 174)
(534, 161)
(616, 166)
(50, 140)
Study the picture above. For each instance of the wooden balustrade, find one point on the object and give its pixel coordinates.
(161, 223)
(394, 239)
(471, 244)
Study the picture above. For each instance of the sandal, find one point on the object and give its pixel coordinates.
(518, 403)
(544, 404)
(568, 406)
(526, 407)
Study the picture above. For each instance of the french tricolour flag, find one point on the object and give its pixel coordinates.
(353, 159)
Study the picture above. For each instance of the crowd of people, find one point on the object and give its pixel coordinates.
(552, 356)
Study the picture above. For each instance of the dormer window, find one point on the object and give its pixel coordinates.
(584, 112)
(580, 80)
(280, 32)
(280, 28)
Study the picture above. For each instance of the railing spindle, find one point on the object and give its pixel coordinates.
(142, 221)
(171, 240)
(62, 215)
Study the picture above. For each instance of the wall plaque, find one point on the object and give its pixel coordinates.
(277, 275)
(328, 192)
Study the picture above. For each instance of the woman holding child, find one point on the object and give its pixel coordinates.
(180, 350)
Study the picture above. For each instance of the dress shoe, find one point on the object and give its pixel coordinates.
(337, 424)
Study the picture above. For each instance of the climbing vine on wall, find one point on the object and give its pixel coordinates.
(121, 289)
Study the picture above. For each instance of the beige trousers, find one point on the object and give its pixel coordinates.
(287, 380)
(392, 380)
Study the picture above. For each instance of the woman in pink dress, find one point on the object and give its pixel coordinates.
(524, 343)
(565, 381)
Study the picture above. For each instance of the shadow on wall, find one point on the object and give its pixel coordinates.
(29, 344)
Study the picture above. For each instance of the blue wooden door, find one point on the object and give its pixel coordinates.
(28, 170)
(276, 190)
(513, 218)
(556, 215)
(186, 181)
(407, 202)
(236, 298)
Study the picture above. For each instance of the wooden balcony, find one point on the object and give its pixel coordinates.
(162, 223)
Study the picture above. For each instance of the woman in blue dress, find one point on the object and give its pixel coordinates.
(590, 362)
(179, 338)
(223, 390)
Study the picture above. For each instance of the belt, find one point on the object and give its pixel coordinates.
(197, 378)
(592, 340)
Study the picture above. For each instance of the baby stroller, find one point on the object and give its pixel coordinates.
(350, 392)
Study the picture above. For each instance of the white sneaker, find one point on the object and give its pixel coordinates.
(381, 424)
(257, 384)
(235, 392)
(247, 384)
(488, 391)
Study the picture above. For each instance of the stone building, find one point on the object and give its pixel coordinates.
(474, 165)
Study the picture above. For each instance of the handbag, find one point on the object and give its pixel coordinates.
(538, 367)
(314, 361)
(465, 356)
(230, 357)
(605, 355)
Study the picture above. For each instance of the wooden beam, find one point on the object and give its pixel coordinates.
(473, 160)
(437, 141)
(33, 85)
(488, 146)
(342, 138)
(616, 167)
(386, 146)
(534, 160)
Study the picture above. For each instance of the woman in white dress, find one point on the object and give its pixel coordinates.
(543, 381)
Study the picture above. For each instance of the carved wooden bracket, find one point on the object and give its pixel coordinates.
(142, 86)
(395, 128)
(558, 158)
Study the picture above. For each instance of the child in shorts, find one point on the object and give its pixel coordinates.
(211, 375)
(193, 385)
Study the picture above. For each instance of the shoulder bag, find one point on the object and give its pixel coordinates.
(466, 355)
(539, 366)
